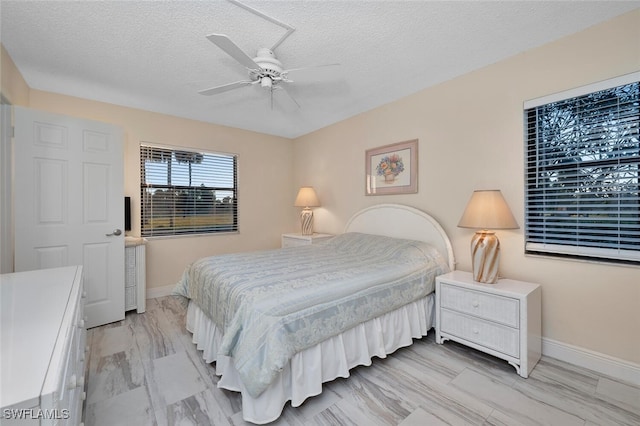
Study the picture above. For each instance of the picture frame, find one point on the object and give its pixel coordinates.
(392, 169)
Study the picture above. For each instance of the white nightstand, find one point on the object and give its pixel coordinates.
(297, 239)
(501, 319)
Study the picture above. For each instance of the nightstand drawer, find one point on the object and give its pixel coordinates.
(490, 335)
(488, 306)
(294, 242)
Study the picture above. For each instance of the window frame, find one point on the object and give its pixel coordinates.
(180, 189)
(605, 251)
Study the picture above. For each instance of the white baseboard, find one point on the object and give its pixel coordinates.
(604, 364)
(155, 292)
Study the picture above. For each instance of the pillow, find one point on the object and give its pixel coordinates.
(382, 246)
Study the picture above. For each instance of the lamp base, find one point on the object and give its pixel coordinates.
(306, 219)
(485, 257)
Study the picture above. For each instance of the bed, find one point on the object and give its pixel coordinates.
(280, 323)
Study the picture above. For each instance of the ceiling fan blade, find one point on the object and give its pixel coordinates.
(284, 100)
(232, 49)
(226, 87)
(289, 96)
(304, 72)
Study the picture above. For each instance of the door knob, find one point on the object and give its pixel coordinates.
(116, 232)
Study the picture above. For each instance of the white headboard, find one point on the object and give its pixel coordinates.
(398, 221)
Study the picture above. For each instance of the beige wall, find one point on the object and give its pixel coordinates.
(266, 191)
(14, 88)
(471, 137)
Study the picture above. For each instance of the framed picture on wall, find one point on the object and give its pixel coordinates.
(392, 169)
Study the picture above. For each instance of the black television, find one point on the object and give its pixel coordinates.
(127, 213)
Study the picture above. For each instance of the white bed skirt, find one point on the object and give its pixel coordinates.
(307, 370)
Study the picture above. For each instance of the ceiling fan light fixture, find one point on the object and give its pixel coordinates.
(266, 82)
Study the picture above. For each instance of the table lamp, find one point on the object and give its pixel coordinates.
(307, 198)
(486, 209)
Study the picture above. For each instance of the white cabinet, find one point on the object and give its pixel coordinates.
(135, 281)
(43, 347)
(502, 319)
(297, 239)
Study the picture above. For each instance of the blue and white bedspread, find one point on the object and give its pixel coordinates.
(272, 304)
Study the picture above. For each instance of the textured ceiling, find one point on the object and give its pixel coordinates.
(154, 55)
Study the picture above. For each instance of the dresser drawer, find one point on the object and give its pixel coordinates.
(488, 306)
(488, 334)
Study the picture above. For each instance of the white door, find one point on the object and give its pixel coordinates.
(69, 204)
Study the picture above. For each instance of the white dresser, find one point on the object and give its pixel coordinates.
(502, 319)
(43, 347)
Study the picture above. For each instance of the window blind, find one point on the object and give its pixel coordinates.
(187, 192)
(582, 175)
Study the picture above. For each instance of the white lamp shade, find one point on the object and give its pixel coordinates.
(487, 209)
(307, 197)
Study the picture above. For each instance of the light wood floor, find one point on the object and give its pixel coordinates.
(144, 370)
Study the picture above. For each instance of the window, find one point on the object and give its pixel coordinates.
(582, 173)
(187, 192)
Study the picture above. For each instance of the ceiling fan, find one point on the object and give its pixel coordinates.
(265, 69)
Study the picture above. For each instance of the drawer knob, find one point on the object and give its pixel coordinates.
(81, 323)
(476, 331)
(84, 396)
(475, 303)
